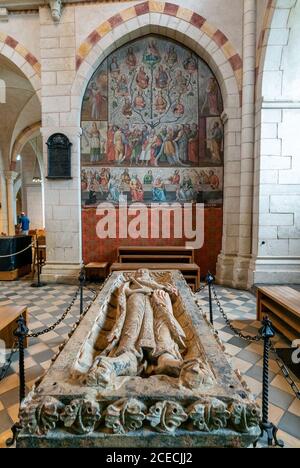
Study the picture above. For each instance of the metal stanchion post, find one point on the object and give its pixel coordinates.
(82, 279)
(267, 332)
(210, 280)
(38, 254)
(20, 333)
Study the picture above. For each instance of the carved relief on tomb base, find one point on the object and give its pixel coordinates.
(192, 392)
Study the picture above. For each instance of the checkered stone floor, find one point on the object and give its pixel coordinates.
(47, 304)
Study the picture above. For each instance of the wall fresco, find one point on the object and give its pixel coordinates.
(152, 111)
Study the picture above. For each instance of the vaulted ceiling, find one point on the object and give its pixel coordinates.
(19, 93)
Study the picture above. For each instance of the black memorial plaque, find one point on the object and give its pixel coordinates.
(59, 157)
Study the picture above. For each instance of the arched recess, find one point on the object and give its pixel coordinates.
(184, 25)
(23, 59)
(194, 32)
(276, 239)
(30, 135)
(27, 134)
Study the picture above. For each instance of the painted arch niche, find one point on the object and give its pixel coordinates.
(152, 128)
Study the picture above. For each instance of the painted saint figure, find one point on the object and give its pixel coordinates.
(159, 191)
(216, 142)
(95, 143)
(136, 188)
(162, 78)
(142, 78)
(131, 60)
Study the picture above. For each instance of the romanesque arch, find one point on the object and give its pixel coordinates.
(185, 26)
(22, 58)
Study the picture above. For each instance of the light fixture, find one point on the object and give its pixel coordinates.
(19, 157)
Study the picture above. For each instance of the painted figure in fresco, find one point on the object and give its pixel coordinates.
(127, 109)
(181, 83)
(122, 86)
(95, 143)
(139, 101)
(159, 191)
(146, 156)
(152, 56)
(212, 97)
(148, 179)
(97, 100)
(214, 180)
(160, 103)
(113, 190)
(175, 178)
(186, 192)
(104, 178)
(203, 178)
(131, 60)
(171, 56)
(162, 78)
(137, 190)
(216, 142)
(182, 143)
(190, 64)
(119, 145)
(114, 67)
(193, 145)
(136, 140)
(142, 78)
(168, 149)
(125, 177)
(111, 154)
(127, 142)
(179, 109)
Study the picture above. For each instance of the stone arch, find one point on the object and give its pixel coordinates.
(276, 257)
(22, 58)
(27, 134)
(183, 25)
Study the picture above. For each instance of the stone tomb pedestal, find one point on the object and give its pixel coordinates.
(66, 410)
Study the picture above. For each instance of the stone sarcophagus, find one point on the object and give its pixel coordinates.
(142, 369)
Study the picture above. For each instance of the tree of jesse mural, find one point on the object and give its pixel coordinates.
(153, 106)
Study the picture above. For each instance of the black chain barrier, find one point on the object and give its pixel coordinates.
(258, 338)
(22, 332)
(249, 338)
(286, 372)
(58, 322)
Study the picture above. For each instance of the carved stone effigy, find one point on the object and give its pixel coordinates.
(142, 367)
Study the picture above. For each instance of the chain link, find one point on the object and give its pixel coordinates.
(59, 321)
(249, 338)
(8, 363)
(201, 288)
(286, 372)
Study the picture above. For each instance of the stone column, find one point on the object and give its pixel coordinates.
(62, 197)
(10, 178)
(63, 218)
(243, 259)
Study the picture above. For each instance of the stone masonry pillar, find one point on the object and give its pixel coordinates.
(243, 259)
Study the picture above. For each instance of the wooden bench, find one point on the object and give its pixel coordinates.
(96, 270)
(8, 323)
(190, 271)
(282, 305)
(166, 254)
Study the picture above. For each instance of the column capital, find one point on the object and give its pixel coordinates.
(10, 176)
